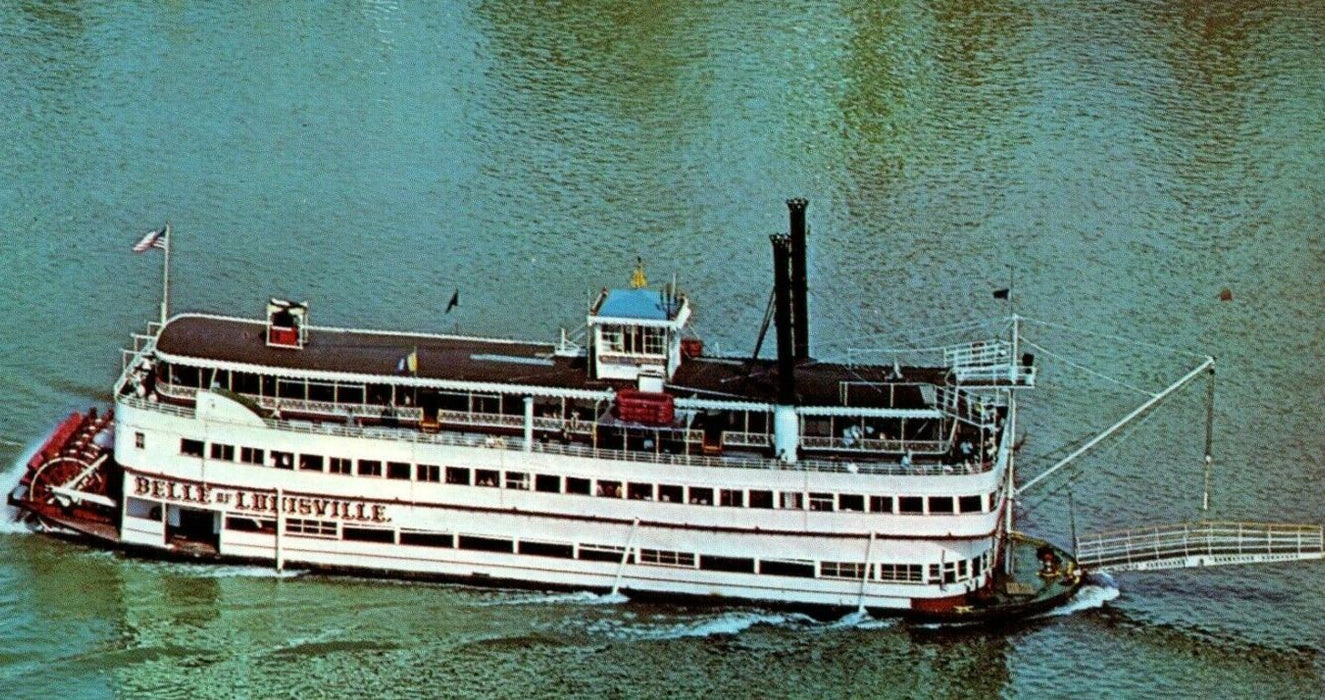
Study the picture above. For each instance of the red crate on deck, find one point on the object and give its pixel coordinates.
(650, 408)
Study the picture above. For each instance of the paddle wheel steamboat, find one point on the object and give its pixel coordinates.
(626, 460)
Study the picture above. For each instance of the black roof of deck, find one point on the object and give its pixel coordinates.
(209, 338)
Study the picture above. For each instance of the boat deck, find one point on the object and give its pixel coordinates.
(471, 359)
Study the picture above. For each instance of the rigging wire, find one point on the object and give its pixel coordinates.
(1141, 343)
(1086, 369)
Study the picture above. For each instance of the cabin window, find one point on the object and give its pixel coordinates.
(312, 463)
(821, 501)
(547, 483)
(761, 499)
(901, 573)
(734, 564)
(731, 498)
(547, 549)
(941, 504)
(428, 472)
(223, 452)
(311, 528)
(911, 504)
(486, 544)
(291, 389)
(368, 534)
(427, 539)
(268, 388)
(370, 467)
(598, 552)
(397, 470)
(282, 460)
(184, 376)
(190, 448)
(842, 569)
(457, 475)
(950, 572)
(666, 557)
(962, 572)
(577, 485)
(251, 455)
(970, 504)
(146, 510)
(792, 500)
(517, 480)
(487, 477)
(321, 392)
(786, 567)
(139, 440)
(669, 493)
(339, 465)
(612, 338)
(244, 383)
(700, 496)
(349, 393)
(241, 524)
(609, 489)
(850, 501)
(933, 573)
(639, 492)
(881, 504)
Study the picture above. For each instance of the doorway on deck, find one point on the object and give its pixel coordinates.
(193, 526)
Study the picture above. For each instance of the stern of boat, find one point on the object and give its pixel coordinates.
(72, 481)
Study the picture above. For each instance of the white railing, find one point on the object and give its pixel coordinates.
(517, 444)
(964, 406)
(984, 352)
(1199, 544)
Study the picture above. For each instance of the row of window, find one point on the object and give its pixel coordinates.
(948, 572)
(604, 488)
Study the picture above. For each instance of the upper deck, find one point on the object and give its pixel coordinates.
(333, 353)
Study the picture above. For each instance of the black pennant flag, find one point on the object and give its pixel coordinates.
(455, 301)
(1001, 293)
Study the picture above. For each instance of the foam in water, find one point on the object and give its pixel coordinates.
(1098, 590)
(860, 620)
(10, 517)
(576, 598)
(728, 623)
(204, 570)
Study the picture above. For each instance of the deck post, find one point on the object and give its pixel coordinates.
(865, 576)
(625, 557)
(280, 525)
(528, 424)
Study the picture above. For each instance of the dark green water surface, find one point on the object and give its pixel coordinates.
(1122, 162)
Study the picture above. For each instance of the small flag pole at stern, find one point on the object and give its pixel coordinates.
(159, 238)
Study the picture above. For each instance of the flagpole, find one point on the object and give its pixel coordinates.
(165, 277)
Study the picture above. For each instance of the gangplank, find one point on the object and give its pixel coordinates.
(1200, 544)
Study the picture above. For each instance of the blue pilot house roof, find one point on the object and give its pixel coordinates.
(640, 304)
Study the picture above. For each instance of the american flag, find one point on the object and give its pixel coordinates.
(153, 239)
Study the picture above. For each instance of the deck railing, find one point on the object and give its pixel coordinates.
(516, 444)
(1199, 544)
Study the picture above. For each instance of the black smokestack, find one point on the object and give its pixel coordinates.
(782, 318)
(800, 301)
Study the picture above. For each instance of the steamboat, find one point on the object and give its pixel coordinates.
(626, 459)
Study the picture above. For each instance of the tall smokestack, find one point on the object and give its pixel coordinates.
(800, 301)
(782, 318)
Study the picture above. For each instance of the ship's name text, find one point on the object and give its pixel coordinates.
(251, 501)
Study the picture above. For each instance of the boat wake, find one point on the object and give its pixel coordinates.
(207, 570)
(724, 624)
(576, 598)
(1098, 590)
(10, 517)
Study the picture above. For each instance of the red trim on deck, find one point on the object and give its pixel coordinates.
(938, 605)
